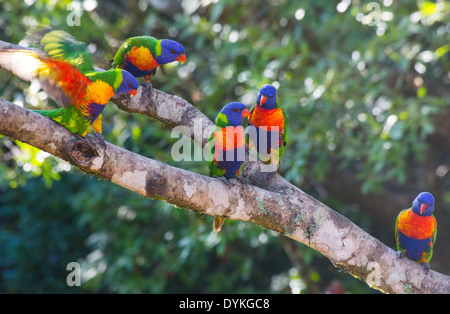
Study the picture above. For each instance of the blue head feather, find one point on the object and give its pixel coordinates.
(233, 112)
(128, 83)
(423, 200)
(270, 92)
(170, 51)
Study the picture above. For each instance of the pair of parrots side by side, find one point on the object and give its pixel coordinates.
(267, 121)
(66, 73)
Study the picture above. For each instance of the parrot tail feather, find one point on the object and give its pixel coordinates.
(52, 114)
(218, 223)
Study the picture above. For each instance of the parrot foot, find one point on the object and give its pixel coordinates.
(400, 254)
(270, 175)
(269, 168)
(224, 180)
(81, 150)
(274, 166)
(150, 74)
(147, 87)
(426, 267)
(101, 140)
(242, 179)
(84, 140)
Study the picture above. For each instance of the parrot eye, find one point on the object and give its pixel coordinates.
(172, 51)
(236, 110)
(130, 85)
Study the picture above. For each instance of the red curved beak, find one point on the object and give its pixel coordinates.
(423, 207)
(263, 99)
(133, 92)
(181, 58)
(245, 113)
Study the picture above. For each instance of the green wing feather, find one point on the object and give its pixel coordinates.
(285, 132)
(212, 150)
(435, 233)
(428, 254)
(213, 169)
(286, 127)
(247, 137)
(61, 45)
(138, 41)
(252, 109)
(396, 232)
(221, 121)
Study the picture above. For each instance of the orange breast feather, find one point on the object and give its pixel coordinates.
(415, 226)
(229, 138)
(142, 58)
(261, 117)
(99, 92)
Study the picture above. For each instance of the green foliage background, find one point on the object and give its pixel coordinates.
(369, 130)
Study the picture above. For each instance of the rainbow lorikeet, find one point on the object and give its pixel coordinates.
(268, 127)
(66, 73)
(415, 230)
(141, 55)
(227, 144)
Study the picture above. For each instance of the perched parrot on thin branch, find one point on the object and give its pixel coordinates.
(227, 145)
(416, 229)
(268, 127)
(66, 73)
(141, 55)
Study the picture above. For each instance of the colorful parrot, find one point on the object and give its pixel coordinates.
(67, 75)
(268, 120)
(141, 55)
(227, 145)
(415, 230)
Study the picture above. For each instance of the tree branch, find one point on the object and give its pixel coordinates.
(270, 201)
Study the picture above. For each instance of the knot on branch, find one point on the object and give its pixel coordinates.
(83, 152)
(156, 186)
(146, 90)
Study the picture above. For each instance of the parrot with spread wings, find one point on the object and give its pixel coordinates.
(66, 73)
